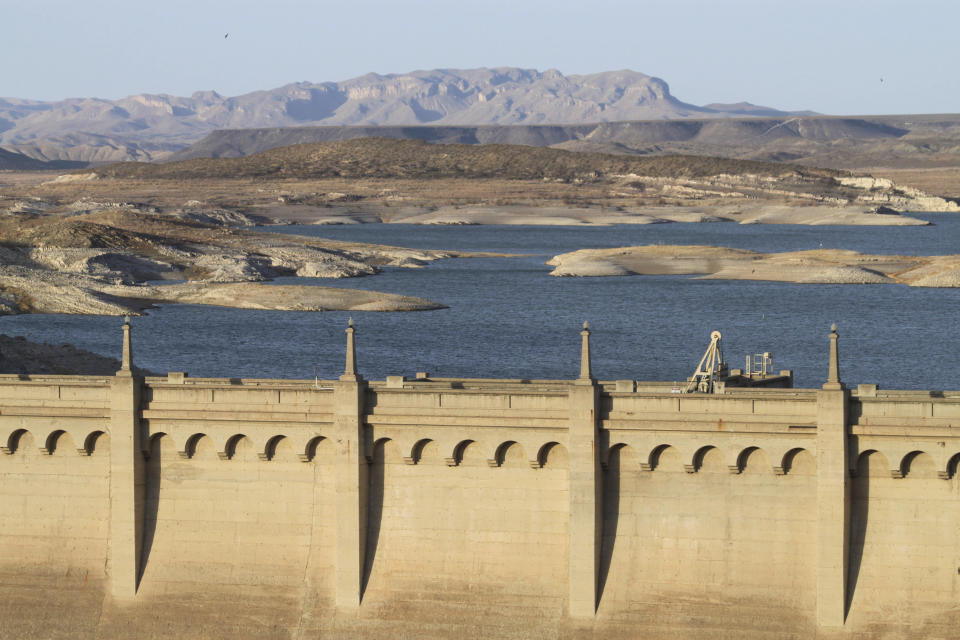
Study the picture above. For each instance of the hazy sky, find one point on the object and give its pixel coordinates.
(825, 55)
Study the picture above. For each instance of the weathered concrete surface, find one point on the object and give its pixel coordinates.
(473, 508)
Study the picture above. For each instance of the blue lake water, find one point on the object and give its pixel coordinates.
(509, 318)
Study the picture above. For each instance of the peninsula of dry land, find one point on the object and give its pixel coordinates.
(102, 262)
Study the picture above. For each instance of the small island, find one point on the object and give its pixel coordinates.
(819, 266)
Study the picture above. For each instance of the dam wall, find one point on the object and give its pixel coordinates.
(175, 507)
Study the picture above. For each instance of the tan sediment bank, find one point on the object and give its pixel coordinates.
(821, 266)
(25, 290)
(243, 295)
(556, 215)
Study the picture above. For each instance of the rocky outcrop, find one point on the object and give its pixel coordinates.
(884, 192)
(100, 263)
(835, 191)
(125, 266)
(33, 290)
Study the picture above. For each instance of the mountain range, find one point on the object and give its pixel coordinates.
(151, 127)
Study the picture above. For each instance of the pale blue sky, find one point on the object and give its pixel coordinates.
(828, 56)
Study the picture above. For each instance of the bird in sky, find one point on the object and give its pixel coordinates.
(225, 36)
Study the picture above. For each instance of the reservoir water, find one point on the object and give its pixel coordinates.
(509, 318)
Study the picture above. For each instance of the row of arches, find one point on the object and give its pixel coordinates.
(304, 450)
(915, 463)
(58, 441)
(912, 462)
(734, 460)
(709, 457)
(507, 453)
(901, 463)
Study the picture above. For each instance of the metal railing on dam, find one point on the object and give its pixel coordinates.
(191, 507)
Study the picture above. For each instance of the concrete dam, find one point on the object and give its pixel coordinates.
(179, 507)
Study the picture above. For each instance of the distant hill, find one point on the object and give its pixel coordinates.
(12, 161)
(747, 109)
(149, 127)
(416, 159)
(234, 143)
(91, 147)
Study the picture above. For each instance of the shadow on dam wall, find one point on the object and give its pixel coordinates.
(151, 501)
(612, 480)
(869, 463)
(375, 470)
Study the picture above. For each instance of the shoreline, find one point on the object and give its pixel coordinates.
(575, 216)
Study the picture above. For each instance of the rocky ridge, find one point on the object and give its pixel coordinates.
(149, 127)
(615, 112)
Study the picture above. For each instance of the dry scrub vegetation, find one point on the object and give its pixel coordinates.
(391, 172)
(386, 158)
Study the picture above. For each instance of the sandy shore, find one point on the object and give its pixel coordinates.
(822, 266)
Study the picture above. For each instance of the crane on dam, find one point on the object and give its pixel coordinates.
(710, 370)
(714, 376)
